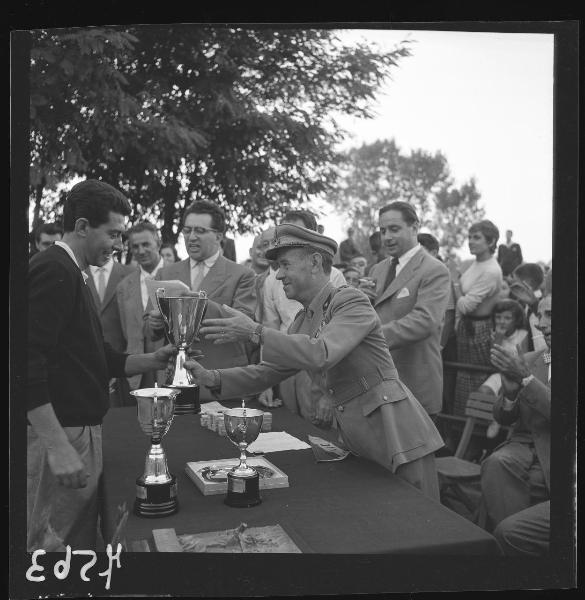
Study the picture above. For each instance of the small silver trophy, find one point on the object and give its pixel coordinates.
(156, 488)
(182, 316)
(242, 426)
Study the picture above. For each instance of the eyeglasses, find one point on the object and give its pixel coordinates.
(186, 231)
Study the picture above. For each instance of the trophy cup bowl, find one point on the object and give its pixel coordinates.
(242, 426)
(156, 488)
(182, 316)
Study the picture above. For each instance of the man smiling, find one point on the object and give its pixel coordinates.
(411, 295)
(337, 339)
(69, 366)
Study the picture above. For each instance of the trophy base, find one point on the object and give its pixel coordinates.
(243, 492)
(156, 500)
(187, 402)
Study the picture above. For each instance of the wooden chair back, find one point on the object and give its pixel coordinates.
(477, 410)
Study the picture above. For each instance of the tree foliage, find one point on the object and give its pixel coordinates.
(245, 117)
(376, 174)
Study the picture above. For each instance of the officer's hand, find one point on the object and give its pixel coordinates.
(323, 412)
(201, 374)
(67, 466)
(236, 328)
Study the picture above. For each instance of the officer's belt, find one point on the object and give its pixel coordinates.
(347, 390)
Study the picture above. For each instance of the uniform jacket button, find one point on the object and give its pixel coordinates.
(385, 397)
(331, 391)
(340, 408)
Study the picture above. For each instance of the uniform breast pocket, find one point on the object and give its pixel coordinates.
(390, 390)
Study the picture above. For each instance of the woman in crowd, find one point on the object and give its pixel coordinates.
(476, 292)
(169, 253)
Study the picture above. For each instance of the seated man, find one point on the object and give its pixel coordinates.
(337, 339)
(525, 533)
(516, 475)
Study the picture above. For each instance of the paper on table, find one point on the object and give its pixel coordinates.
(274, 441)
(211, 407)
(173, 287)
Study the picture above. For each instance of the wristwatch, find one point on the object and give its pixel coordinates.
(256, 336)
(527, 380)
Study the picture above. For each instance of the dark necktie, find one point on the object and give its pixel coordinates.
(391, 272)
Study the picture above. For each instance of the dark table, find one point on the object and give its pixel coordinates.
(350, 506)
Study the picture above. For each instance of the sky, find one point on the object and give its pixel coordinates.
(485, 100)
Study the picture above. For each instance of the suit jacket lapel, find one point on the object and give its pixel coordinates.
(115, 278)
(540, 369)
(402, 278)
(135, 298)
(215, 276)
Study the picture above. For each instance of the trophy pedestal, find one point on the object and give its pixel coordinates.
(187, 402)
(156, 499)
(243, 492)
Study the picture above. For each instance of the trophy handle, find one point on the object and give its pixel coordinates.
(160, 293)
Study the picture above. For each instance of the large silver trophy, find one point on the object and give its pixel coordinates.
(242, 426)
(156, 488)
(182, 316)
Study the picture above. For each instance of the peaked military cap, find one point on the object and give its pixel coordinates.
(294, 236)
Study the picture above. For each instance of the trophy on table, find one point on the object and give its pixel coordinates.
(242, 427)
(156, 488)
(182, 316)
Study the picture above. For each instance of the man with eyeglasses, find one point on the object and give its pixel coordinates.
(225, 281)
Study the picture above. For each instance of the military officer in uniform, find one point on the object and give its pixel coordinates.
(337, 339)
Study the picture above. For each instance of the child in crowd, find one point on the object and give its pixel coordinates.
(509, 332)
(352, 276)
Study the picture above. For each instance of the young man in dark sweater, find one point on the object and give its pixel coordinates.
(69, 366)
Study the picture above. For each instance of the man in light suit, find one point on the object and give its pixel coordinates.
(226, 282)
(102, 283)
(337, 339)
(411, 296)
(516, 475)
(132, 297)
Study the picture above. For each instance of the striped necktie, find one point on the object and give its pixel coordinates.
(197, 275)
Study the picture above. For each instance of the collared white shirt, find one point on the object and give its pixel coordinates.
(67, 249)
(95, 272)
(144, 275)
(207, 264)
(403, 260)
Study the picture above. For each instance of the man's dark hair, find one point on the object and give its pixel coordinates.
(489, 231)
(93, 200)
(514, 307)
(408, 213)
(532, 273)
(205, 207)
(143, 226)
(375, 241)
(428, 241)
(306, 216)
(326, 258)
(49, 229)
